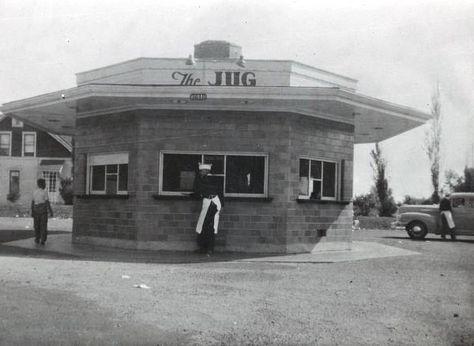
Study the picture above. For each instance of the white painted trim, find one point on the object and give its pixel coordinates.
(23, 143)
(62, 141)
(223, 153)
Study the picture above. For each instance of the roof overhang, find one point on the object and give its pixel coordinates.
(374, 120)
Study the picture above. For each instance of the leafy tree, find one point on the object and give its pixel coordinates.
(364, 204)
(469, 179)
(415, 200)
(433, 143)
(385, 202)
(456, 183)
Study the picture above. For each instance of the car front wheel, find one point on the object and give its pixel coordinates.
(416, 230)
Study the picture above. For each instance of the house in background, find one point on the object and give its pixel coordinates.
(26, 154)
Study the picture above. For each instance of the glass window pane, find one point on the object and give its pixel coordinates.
(304, 168)
(111, 184)
(28, 144)
(123, 177)
(457, 202)
(5, 140)
(329, 179)
(29, 139)
(315, 169)
(51, 180)
(112, 169)
(98, 178)
(316, 194)
(5, 144)
(217, 162)
(179, 171)
(245, 174)
(304, 174)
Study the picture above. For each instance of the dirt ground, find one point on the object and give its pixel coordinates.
(425, 299)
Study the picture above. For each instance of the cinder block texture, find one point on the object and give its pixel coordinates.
(278, 225)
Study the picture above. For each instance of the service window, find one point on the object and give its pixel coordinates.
(5, 143)
(242, 175)
(318, 179)
(108, 174)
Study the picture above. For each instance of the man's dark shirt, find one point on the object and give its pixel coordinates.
(207, 186)
(445, 204)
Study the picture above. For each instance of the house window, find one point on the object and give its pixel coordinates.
(14, 182)
(51, 180)
(29, 143)
(5, 143)
(108, 174)
(239, 174)
(318, 179)
(17, 123)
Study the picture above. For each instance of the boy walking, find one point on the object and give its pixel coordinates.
(39, 210)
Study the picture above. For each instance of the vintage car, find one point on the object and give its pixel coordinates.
(419, 220)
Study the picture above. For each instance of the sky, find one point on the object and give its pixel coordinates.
(399, 51)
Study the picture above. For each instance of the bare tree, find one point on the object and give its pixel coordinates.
(385, 203)
(433, 143)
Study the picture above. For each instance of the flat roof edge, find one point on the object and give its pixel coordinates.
(307, 93)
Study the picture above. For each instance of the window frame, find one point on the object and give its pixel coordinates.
(336, 179)
(10, 143)
(25, 133)
(217, 153)
(105, 159)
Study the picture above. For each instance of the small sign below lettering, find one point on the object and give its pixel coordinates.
(198, 97)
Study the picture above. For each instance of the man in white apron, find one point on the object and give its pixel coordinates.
(446, 213)
(209, 190)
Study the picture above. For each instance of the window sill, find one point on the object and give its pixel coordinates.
(226, 199)
(321, 201)
(91, 196)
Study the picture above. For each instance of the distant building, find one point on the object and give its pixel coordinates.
(279, 134)
(26, 154)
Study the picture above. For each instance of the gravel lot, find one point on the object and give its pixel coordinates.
(426, 299)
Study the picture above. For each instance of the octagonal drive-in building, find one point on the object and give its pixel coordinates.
(280, 135)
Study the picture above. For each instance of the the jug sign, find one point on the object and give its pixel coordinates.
(221, 78)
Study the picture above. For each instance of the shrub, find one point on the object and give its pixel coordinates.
(66, 190)
(417, 201)
(364, 204)
(13, 196)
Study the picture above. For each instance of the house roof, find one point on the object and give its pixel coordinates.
(64, 140)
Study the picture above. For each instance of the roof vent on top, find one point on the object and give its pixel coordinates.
(217, 50)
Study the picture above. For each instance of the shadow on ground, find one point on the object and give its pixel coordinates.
(99, 253)
(468, 241)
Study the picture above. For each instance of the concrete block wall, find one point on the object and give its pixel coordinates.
(245, 225)
(111, 219)
(322, 225)
(143, 221)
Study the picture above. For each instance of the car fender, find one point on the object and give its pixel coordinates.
(429, 220)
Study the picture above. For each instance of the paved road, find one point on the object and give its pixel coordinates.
(425, 299)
